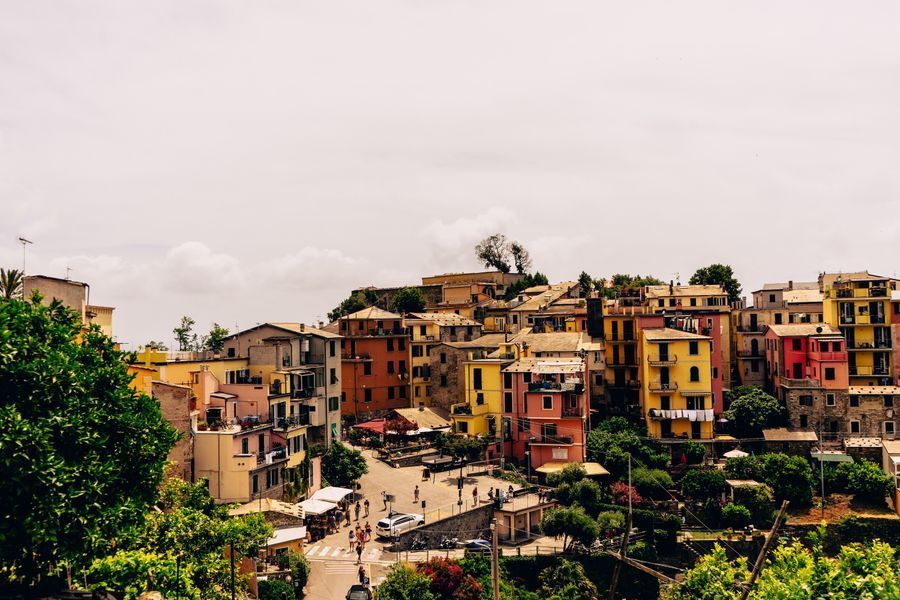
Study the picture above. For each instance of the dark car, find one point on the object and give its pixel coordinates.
(359, 592)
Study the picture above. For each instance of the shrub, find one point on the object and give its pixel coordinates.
(572, 523)
(745, 467)
(866, 481)
(571, 473)
(274, 589)
(790, 477)
(611, 522)
(694, 452)
(652, 483)
(760, 501)
(700, 485)
(736, 516)
(620, 493)
(586, 493)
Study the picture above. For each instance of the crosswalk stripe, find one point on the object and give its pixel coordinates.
(337, 552)
(311, 551)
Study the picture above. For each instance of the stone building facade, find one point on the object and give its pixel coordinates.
(177, 402)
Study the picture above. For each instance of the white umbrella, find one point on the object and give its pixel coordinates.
(735, 454)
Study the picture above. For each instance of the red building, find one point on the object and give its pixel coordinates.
(374, 369)
(546, 407)
(811, 353)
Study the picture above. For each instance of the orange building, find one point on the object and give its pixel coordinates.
(374, 368)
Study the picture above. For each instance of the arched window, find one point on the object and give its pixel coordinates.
(754, 347)
(695, 374)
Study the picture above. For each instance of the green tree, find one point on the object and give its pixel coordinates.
(571, 473)
(342, 466)
(274, 589)
(586, 493)
(407, 300)
(11, 283)
(718, 274)
(184, 334)
(736, 516)
(566, 580)
(299, 567)
(355, 302)
(157, 346)
(754, 411)
(790, 477)
(405, 583)
(493, 252)
(214, 341)
(743, 467)
(694, 452)
(700, 485)
(714, 577)
(520, 257)
(81, 453)
(760, 501)
(137, 571)
(651, 483)
(614, 439)
(611, 522)
(572, 523)
(586, 283)
(868, 482)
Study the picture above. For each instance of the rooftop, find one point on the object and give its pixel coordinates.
(444, 318)
(545, 365)
(781, 434)
(371, 312)
(875, 390)
(424, 417)
(892, 446)
(288, 326)
(658, 291)
(804, 330)
(794, 285)
(862, 442)
(267, 505)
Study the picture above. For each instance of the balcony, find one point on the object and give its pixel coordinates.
(385, 331)
(663, 360)
(555, 440)
(848, 319)
(878, 292)
(876, 345)
(292, 422)
(360, 356)
(750, 354)
(662, 387)
(267, 458)
(572, 411)
(759, 328)
(828, 356)
(552, 386)
(806, 382)
(461, 409)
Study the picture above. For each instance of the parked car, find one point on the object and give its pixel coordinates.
(359, 592)
(398, 523)
(476, 545)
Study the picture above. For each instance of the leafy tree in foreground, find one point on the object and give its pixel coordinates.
(407, 300)
(566, 581)
(571, 473)
(274, 589)
(11, 283)
(405, 583)
(342, 466)
(585, 493)
(718, 274)
(81, 453)
(713, 577)
(754, 411)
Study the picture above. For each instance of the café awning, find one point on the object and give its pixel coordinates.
(555, 466)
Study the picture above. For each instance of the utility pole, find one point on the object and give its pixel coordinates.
(231, 552)
(822, 469)
(762, 553)
(623, 547)
(24, 243)
(495, 561)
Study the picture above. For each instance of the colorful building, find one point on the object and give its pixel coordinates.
(375, 363)
(479, 413)
(73, 294)
(677, 384)
(860, 305)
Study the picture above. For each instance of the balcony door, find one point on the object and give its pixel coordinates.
(663, 352)
(665, 428)
(664, 377)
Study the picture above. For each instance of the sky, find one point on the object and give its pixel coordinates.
(242, 162)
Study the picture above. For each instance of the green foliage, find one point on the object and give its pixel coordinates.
(718, 274)
(407, 300)
(461, 446)
(275, 589)
(353, 303)
(183, 333)
(448, 580)
(342, 466)
(567, 581)
(790, 477)
(214, 341)
(137, 571)
(611, 522)
(405, 583)
(300, 569)
(571, 473)
(613, 439)
(11, 284)
(694, 452)
(650, 520)
(713, 577)
(700, 485)
(573, 523)
(744, 467)
(754, 411)
(651, 483)
(586, 493)
(736, 516)
(759, 500)
(530, 280)
(81, 453)
(586, 283)
(868, 482)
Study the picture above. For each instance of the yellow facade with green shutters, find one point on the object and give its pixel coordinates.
(479, 412)
(859, 304)
(677, 384)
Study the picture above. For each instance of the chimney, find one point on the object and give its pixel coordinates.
(790, 285)
(302, 327)
(671, 286)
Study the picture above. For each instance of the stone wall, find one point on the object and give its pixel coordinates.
(471, 524)
(811, 403)
(453, 392)
(176, 403)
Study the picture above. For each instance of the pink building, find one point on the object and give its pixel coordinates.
(546, 406)
(806, 352)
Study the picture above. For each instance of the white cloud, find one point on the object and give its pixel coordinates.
(193, 268)
(451, 243)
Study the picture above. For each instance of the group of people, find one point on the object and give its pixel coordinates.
(358, 538)
(492, 494)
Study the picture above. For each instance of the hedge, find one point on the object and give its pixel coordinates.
(525, 571)
(668, 525)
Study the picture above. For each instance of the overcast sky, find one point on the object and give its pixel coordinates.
(243, 162)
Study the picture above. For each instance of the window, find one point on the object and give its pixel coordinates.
(771, 297)
(778, 318)
(255, 484)
(754, 366)
(333, 375)
(334, 403)
(416, 351)
(476, 378)
(418, 391)
(806, 400)
(548, 402)
(343, 396)
(332, 348)
(367, 395)
(443, 358)
(829, 373)
(662, 302)
(829, 399)
(390, 345)
(401, 366)
(507, 402)
(598, 379)
(527, 377)
(696, 403)
(462, 427)
(367, 368)
(888, 428)
(403, 391)
(804, 421)
(695, 374)
(888, 401)
(401, 344)
(715, 372)
(665, 403)
(390, 393)
(262, 442)
(524, 425)
(694, 348)
(245, 446)
(854, 426)
(479, 399)
(693, 302)
(443, 381)
(854, 401)
(795, 343)
(231, 352)
(423, 330)
(507, 380)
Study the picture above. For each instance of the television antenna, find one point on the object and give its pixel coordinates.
(24, 243)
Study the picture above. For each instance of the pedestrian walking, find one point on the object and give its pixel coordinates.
(416, 495)
(361, 574)
(475, 495)
(358, 554)
(491, 494)
(352, 539)
(347, 516)
(384, 499)
(368, 530)
(510, 491)
(366, 506)
(356, 509)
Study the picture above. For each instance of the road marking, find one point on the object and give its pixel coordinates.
(311, 551)
(337, 552)
(341, 566)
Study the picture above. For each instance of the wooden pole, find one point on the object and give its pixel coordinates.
(640, 567)
(623, 551)
(495, 561)
(762, 553)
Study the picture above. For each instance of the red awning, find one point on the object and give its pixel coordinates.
(375, 426)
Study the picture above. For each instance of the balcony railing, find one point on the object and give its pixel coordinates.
(663, 386)
(759, 328)
(385, 331)
(663, 361)
(750, 354)
(839, 356)
(805, 382)
(572, 411)
(267, 458)
(848, 319)
(461, 409)
(359, 356)
(552, 386)
(286, 423)
(563, 440)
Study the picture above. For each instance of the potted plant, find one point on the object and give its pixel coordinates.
(202, 426)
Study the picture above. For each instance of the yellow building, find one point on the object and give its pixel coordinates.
(427, 330)
(859, 304)
(677, 385)
(480, 412)
(685, 297)
(622, 376)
